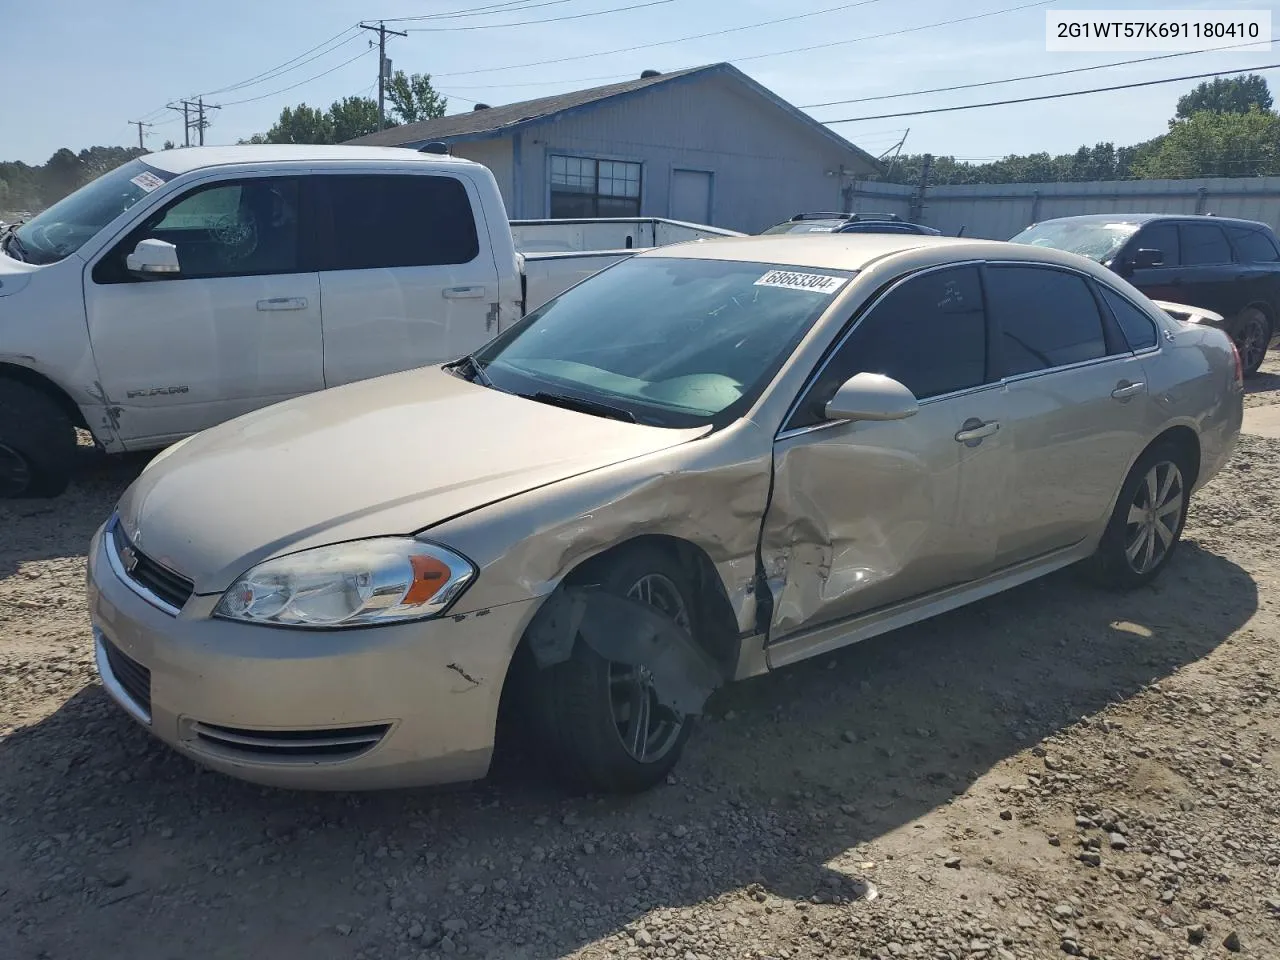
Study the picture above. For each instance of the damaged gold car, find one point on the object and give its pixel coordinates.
(699, 465)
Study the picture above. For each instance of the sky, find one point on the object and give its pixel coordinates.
(78, 71)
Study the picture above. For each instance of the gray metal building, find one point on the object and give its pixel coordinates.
(705, 145)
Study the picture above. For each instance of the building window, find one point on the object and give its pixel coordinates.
(594, 188)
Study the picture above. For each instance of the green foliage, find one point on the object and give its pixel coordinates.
(1208, 144)
(413, 98)
(352, 117)
(1226, 95)
(345, 119)
(25, 187)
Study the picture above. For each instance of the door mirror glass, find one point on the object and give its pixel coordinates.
(1146, 258)
(872, 396)
(151, 258)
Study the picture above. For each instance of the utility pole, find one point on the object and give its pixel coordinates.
(139, 124)
(382, 31)
(198, 107)
(917, 201)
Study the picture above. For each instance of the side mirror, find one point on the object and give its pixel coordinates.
(872, 396)
(1146, 258)
(153, 258)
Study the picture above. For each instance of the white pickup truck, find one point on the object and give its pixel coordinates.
(190, 286)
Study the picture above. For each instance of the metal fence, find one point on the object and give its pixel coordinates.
(997, 211)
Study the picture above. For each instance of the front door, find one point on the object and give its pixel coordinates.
(1077, 406)
(406, 277)
(866, 514)
(236, 329)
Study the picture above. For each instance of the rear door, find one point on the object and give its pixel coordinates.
(1209, 271)
(1077, 406)
(407, 277)
(1258, 262)
(870, 513)
(236, 329)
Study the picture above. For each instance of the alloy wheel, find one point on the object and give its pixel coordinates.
(647, 729)
(1154, 517)
(1251, 340)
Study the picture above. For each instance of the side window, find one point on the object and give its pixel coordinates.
(1162, 237)
(929, 333)
(229, 229)
(1046, 318)
(1139, 330)
(1253, 245)
(1203, 244)
(398, 221)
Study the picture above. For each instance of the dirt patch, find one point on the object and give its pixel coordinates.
(1055, 771)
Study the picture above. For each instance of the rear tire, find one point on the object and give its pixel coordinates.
(1252, 338)
(37, 443)
(1146, 525)
(598, 721)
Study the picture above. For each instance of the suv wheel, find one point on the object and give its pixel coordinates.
(1252, 337)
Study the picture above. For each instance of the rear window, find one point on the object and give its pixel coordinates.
(1253, 244)
(1203, 244)
(1138, 328)
(1047, 318)
(397, 221)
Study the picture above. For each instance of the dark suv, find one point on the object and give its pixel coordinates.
(850, 223)
(1231, 267)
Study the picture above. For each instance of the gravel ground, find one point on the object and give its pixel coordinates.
(1055, 771)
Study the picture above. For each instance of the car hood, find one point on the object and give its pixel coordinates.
(382, 457)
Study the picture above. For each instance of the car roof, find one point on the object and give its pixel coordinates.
(185, 159)
(1142, 218)
(854, 251)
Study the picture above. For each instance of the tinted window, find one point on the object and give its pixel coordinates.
(928, 333)
(1253, 245)
(398, 221)
(1162, 237)
(229, 229)
(1138, 328)
(1047, 318)
(1203, 244)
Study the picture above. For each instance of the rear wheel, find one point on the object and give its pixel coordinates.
(1252, 338)
(602, 722)
(1147, 523)
(37, 443)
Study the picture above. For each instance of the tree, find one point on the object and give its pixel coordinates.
(352, 117)
(1226, 95)
(300, 124)
(1217, 145)
(63, 172)
(413, 98)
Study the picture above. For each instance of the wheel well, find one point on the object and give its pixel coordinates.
(28, 377)
(719, 627)
(1185, 439)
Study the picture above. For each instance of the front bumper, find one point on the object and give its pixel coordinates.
(393, 706)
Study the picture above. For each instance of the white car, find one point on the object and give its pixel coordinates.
(187, 287)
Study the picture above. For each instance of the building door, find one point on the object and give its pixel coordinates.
(691, 196)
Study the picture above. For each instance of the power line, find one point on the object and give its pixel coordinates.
(1033, 76)
(1056, 96)
(665, 43)
(485, 11)
(289, 65)
(529, 23)
(294, 86)
(383, 64)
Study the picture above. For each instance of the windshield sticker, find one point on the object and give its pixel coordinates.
(147, 180)
(813, 282)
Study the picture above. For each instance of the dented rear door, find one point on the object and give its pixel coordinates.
(866, 514)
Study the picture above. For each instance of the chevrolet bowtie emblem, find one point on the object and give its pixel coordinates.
(128, 557)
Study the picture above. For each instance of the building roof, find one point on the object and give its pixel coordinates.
(501, 120)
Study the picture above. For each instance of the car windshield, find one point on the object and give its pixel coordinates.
(803, 226)
(1098, 240)
(71, 222)
(666, 341)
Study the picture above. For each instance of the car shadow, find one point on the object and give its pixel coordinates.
(62, 526)
(782, 782)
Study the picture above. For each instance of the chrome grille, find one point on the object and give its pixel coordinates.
(171, 589)
(286, 746)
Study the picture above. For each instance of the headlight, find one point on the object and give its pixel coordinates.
(350, 584)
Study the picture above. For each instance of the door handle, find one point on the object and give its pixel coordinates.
(283, 303)
(1126, 390)
(464, 293)
(976, 431)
